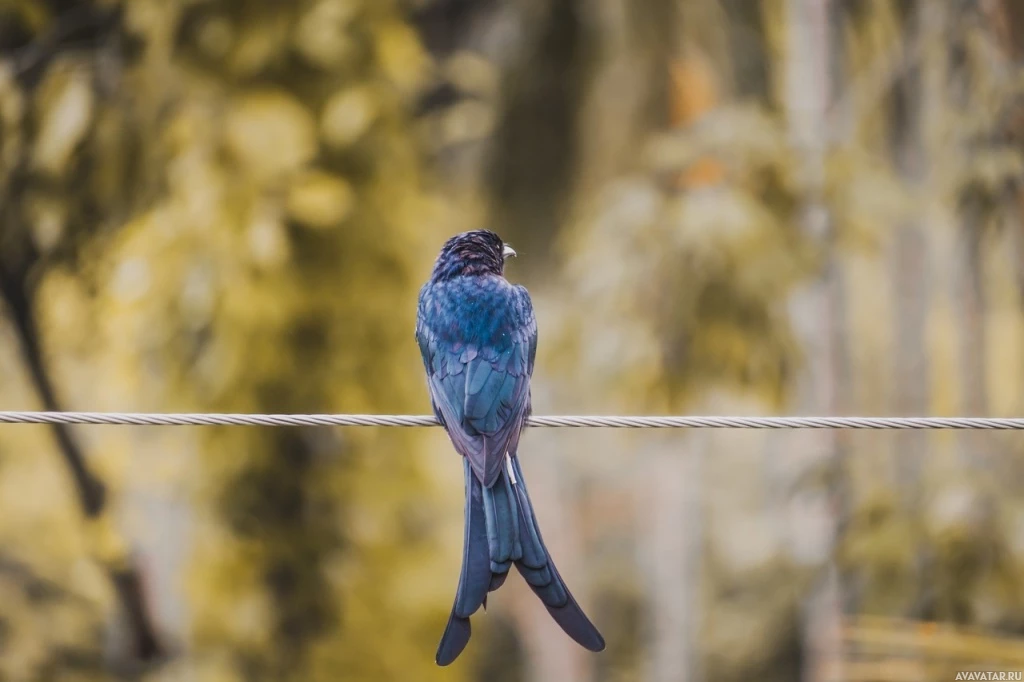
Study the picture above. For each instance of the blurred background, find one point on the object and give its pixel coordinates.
(728, 207)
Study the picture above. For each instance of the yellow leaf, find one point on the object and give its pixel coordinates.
(320, 35)
(270, 133)
(66, 108)
(401, 56)
(319, 199)
(347, 116)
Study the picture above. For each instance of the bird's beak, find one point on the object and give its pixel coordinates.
(507, 251)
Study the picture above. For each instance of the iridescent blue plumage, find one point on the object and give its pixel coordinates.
(478, 338)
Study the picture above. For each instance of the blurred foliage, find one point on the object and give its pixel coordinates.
(228, 205)
(697, 279)
(242, 191)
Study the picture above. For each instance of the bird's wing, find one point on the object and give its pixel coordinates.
(481, 391)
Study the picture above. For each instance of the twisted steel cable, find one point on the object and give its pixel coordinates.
(404, 420)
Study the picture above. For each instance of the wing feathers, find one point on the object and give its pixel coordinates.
(478, 339)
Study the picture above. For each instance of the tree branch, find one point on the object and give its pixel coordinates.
(91, 491)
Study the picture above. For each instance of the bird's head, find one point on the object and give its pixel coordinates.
(480, 252)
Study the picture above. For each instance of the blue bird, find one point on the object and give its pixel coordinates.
(478, 338)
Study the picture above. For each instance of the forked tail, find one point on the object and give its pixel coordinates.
(501, 529)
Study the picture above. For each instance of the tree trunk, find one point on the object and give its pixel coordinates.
(819, 308)
(911, 279)
(910, 366)
(676, 522)
(969, 296)
(126, 579)
(550, 654)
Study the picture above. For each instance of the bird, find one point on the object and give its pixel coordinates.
(478, 337)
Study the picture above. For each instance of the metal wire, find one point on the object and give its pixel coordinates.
(709, 422)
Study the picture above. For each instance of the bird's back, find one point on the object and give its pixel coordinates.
(478, 336)
(485, 310)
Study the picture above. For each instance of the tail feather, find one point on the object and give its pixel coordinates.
(502, 521)
(475, 578)
(538, 577)
(555, 594)
(501, 529)
(502, 524)
(513, 506)
(475, 558)
(497, 580)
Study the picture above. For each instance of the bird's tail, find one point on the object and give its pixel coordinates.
(475, 577)
(500, 530)
(537, 567)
